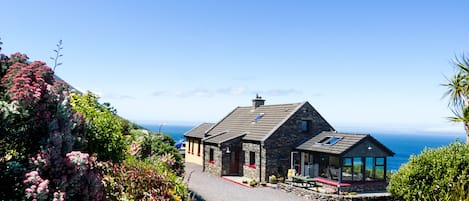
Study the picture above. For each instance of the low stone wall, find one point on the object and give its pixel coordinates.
(379, 186)
(312, 195)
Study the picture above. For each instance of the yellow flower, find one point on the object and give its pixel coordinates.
(171, 191)
(177, 198)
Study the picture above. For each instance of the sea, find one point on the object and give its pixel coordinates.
(402, 144)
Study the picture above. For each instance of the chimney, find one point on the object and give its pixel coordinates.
(258, 101)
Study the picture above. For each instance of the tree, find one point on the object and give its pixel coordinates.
(458, 93)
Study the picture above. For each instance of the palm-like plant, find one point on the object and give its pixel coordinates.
(458, 92)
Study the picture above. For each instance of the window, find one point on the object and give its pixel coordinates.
(357, 169)
(379, 168)
(333, 172)
(192, 147)
(353, 169)
(369, 170)
(211, 160)
(347, 169)
(252, 159)
(198, 147)
(305, 125)
(257, 118)
(189, 148)
(334, 140)
(324, 140)
(330, 140)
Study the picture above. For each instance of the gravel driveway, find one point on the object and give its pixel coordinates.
(214, 188)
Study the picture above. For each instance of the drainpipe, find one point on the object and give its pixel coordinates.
(260, 161)
(340, 176)
(203, 157)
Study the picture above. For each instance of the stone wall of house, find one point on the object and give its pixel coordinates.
(313, 195)
(215, 166)
(250, 171)
(281, 143)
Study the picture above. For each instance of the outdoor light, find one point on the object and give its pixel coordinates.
(369, 147)
(228, 150)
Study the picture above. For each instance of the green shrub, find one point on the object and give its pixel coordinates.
(435, 174)
(103, 128)
(157, 145)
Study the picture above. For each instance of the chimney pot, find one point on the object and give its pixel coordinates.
(258, 101)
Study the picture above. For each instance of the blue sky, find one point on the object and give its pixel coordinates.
(361, 64)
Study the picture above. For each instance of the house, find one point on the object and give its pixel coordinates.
(256, 141)
(351, 161)
(261, 140)
(194, 146)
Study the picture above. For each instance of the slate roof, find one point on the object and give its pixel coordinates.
(222, 137)
(346, 142)
(242, 121)
(199, 131)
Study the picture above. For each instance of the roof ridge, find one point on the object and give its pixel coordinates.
(280, 104)
(284, 120)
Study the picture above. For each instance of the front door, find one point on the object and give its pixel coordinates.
(234, 163)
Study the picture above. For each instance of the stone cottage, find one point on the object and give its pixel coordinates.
(256, 141)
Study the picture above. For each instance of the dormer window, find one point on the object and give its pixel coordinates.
(330, 140)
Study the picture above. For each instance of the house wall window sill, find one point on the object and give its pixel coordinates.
(250, 166)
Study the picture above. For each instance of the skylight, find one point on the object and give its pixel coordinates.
(334, 140)
(258, 117)
(330, 140)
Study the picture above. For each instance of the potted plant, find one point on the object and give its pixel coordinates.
(280, 179)
(273, 179)
(253, 183)
(245, 181)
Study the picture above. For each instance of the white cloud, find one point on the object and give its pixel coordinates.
(233, 91)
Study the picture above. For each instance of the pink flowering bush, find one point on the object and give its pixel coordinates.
(43, 140)
(38, 188)
(38, 131)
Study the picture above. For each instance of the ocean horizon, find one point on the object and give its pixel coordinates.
(403, 144)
